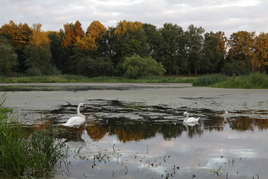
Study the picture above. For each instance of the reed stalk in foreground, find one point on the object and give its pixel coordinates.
(25, 156)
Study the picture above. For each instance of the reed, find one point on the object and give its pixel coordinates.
(208, 80)
(25, 156)
(251, 81)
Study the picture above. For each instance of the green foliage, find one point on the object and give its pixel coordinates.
(38, 57)
(211, 54)
(136, 66)
(8, 58)
(172, 52)
(52, 70)
(101, 66)
(180, 52)
(194, 37)
(33, 71)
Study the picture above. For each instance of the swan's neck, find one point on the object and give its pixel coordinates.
(185, 120)
(78, 111)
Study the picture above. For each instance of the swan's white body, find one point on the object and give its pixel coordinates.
(189, 119)
(77, 120)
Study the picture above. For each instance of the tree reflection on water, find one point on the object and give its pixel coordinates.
(144, 122)
(142, 141)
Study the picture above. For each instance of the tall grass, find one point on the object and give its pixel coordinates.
(20, 155)
(251, 81)
(208, 80)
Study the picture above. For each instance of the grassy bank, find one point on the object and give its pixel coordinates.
(252, 81)
(24, 156)
(76, 79)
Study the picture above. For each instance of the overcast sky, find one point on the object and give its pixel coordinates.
(213, 15)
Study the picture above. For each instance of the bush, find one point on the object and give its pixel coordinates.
(33, 72)
(52, 70)
(136, 66)
(101, 66)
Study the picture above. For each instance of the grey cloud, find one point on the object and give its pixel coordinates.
(225, 15)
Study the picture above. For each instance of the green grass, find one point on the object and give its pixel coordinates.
(254, 80)
(77, 78)
(251, 81)
(45, 79)
(25, 156)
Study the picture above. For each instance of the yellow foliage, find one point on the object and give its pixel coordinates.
(87, 42)
(39, 38)
(260, 59)
(97, 30)
(125, 27)
(223, 42)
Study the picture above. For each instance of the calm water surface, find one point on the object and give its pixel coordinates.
(131, 140)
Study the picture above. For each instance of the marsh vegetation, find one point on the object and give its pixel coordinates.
(252, 81)
(25, 153)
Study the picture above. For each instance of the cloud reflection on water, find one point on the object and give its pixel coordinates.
(160, 146)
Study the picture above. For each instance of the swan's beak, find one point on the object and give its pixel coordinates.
(84, 106)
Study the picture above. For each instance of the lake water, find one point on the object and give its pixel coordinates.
(138, 132)
(132, 140)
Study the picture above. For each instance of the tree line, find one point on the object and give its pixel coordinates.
(130, 49)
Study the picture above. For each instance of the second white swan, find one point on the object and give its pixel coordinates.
(77, 120)
(189, 119)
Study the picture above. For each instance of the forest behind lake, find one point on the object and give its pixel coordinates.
(131, 50)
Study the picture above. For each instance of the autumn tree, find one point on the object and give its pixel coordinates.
(239, 60)
(94, 41)
(19, 36)
(124, 27)
(223, 44)
(97, 30)
(38, 51)
(126, 39)
(72, 33)
(260, 59)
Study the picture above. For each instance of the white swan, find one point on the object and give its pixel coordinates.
(189, 119)
(77, 120)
